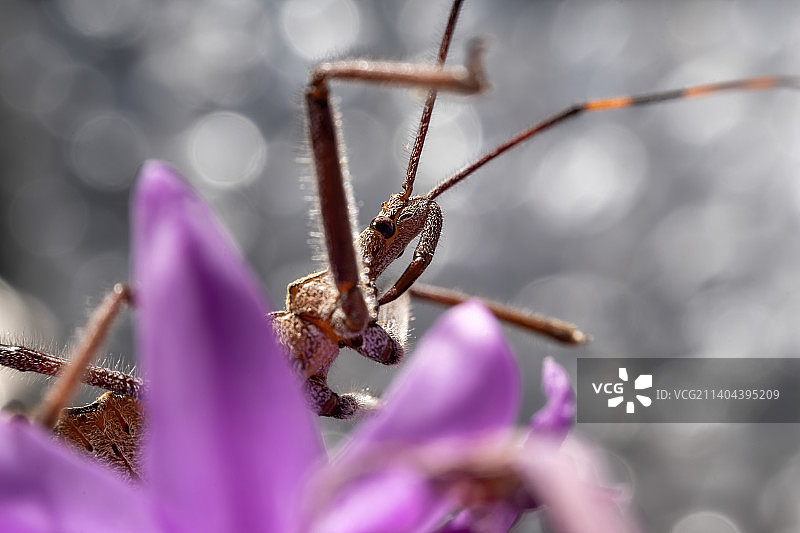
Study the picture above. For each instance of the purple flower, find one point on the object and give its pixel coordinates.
(556, 417)
(551, 423)
(231, 445)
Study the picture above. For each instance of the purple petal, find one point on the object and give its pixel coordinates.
(556, 417)
(47, 487)
(573, 504)
(461, 383)
(230, 438)
(492, 519)
(391, 501)
(552, 421)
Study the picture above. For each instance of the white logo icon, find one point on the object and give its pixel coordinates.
(644, 381)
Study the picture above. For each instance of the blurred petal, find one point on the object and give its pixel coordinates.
(462, 382)
(493, 519)
(230, 436)
(572, 504)
(391, 501)
(46, 487)
(552, 421)
(556, 417)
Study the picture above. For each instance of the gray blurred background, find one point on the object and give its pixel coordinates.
(669, 231)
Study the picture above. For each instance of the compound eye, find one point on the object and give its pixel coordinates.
(384, 226)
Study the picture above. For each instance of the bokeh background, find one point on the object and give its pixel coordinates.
(670, 231)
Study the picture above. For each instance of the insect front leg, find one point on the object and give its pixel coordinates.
(423, 254)
(335, 210)
(353, 314)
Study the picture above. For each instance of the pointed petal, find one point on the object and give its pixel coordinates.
(556, 417)
(47, 487)
(230, 435)
(462, 382)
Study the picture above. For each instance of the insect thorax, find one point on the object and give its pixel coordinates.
(306, 330)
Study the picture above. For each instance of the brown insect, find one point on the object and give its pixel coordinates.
(341, 307)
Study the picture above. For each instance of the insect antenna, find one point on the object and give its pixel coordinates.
(761, 83)
(427, 111)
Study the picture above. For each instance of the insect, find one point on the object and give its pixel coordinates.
(341, 307)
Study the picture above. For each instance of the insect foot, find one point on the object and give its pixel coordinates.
(328, 403)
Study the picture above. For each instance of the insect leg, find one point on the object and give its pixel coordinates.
(379, 345)
(96, 331)
(423, 254)
(334, 206)
(558, 330)
(328, 403)
(28, 360)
